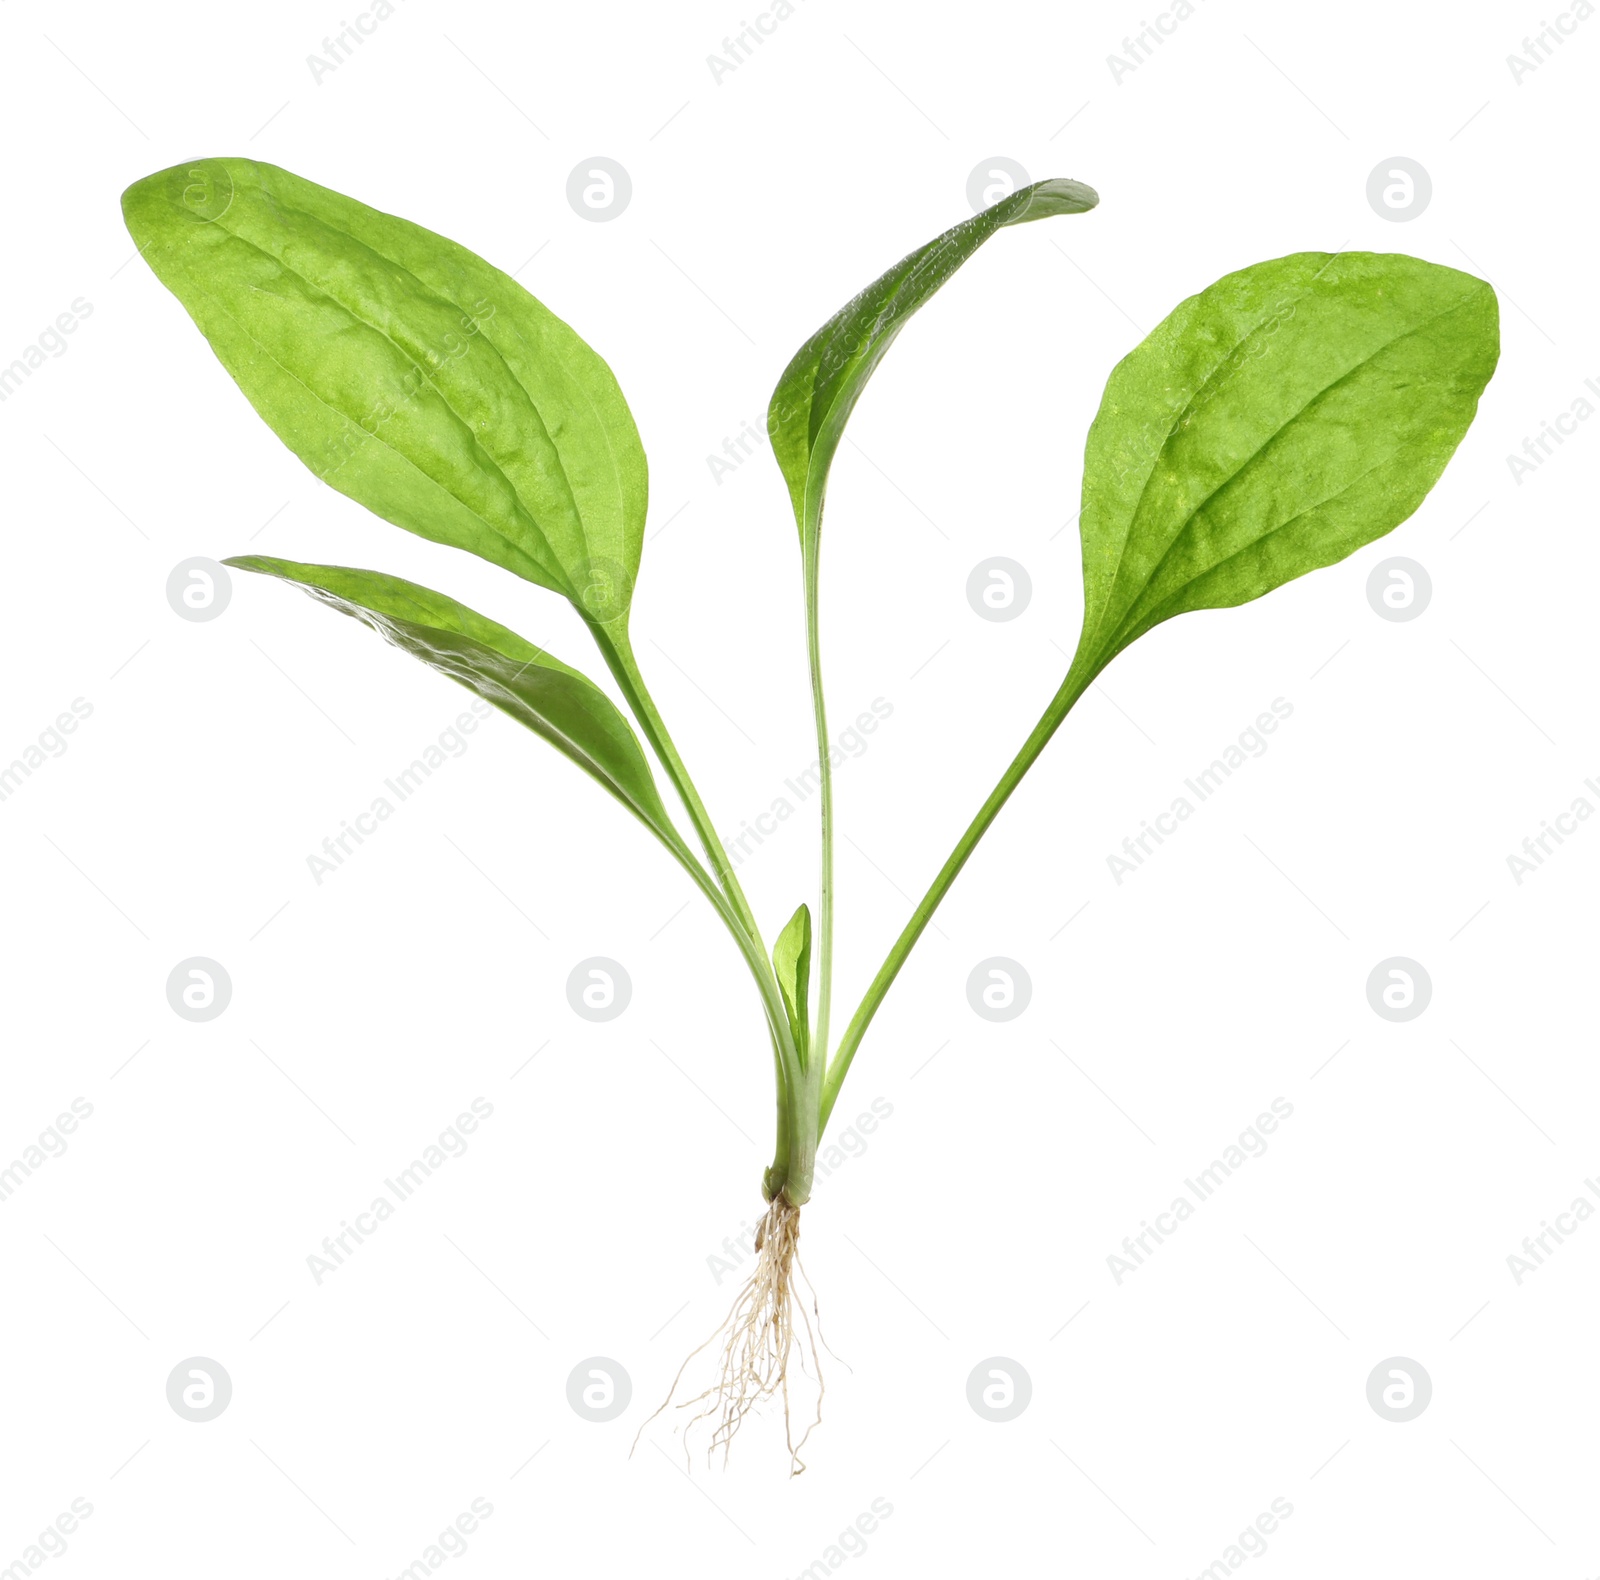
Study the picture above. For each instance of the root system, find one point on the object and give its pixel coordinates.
(768, 1334)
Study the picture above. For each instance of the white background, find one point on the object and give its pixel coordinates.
(1167, 1012)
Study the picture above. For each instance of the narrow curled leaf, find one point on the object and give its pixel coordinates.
(538, 691)
(1271, 425)
(406, 372)
(818, 390)
(791, 959)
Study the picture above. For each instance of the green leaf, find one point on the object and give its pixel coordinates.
(819, 389)
(791, 958)
(538, 691)
(1273, 424)
(406, 372)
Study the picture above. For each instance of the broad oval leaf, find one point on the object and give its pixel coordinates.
(537, 690)
(407, 372)
(1271, 425)
(791, 960)
(818, 390)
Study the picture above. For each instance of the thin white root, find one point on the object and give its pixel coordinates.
(759, 1337)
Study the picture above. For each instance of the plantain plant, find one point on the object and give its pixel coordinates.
(1282, 418)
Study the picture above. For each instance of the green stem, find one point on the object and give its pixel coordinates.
(819, 1040)
(797, 1122)
(617, 650)
(1071, 689)
(777, 1019)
